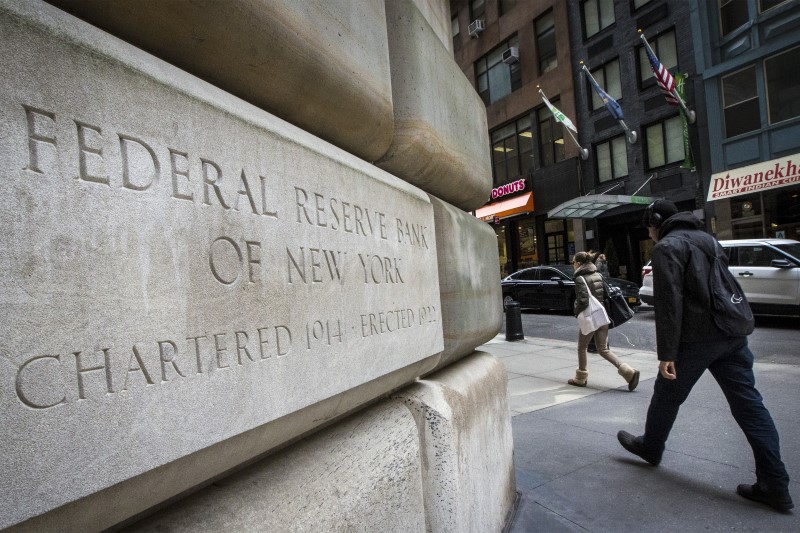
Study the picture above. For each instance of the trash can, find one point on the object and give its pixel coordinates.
(513, 322)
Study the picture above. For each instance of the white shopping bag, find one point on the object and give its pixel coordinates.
(594, 316)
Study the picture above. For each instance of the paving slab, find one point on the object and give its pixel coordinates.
(572, 474)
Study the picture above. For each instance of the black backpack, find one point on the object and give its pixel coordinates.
(729, 307)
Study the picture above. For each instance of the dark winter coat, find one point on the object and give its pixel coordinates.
(680, 285)
(595, 282)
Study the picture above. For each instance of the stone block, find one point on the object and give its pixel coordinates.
(331, 55)
(469, 281)
(364, 474)
(441, 140)
(181, 270)
(437, 13)
(467, 446)
(393, 95)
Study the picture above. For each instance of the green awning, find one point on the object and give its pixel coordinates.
(594, 205)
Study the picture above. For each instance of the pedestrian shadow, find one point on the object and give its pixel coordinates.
(688, 485)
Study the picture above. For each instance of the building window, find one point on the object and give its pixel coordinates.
(597, 15)
(550, 136)
(477, 8)
(496, 79)
(546, 42)
(732, 15)
(765, 5)
(783, 85)
(512, 150)
(612, 159)
(740, 102)
(506, 6)
(665, 142)
(665, 49)
(639, 3)
(455, 32)
(608, 78)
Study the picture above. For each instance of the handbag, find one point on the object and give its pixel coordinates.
(594, 316)
(616, 306)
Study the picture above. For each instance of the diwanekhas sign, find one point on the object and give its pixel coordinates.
(760, 177)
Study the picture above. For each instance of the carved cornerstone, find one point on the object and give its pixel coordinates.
(177, 266)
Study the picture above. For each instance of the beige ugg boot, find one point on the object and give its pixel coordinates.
(631, 375)
(581, 377)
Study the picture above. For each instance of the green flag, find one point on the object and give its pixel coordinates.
(561, 117)
(688, 162)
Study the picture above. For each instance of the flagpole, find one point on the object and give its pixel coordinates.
(584, 153)
(629, 133)
(690, 115)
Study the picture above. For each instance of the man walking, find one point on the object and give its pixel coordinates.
(689, 342)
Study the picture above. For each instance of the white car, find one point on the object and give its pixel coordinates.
(646, 290)
(767, 269)
(769, 272)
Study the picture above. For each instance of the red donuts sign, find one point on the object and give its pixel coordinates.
(508, 188)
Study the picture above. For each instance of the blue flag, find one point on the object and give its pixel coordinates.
(611, 104)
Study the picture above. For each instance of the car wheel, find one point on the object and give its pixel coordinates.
(507, 300)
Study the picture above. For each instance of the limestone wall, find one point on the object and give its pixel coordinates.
(191, 282)
(331, 55)
(441, 140)
(377, 80)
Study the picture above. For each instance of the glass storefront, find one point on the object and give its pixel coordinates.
(519, 245)
(526, 234)
(502, 250)
(524, 239)
(772, 214)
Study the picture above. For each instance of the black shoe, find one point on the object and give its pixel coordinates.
(591, 348)
(636, 447)
(780, 502)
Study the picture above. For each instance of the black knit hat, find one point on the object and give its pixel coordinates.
(657, 212)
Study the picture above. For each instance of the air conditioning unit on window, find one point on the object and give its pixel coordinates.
(511, 55)
(476, 27)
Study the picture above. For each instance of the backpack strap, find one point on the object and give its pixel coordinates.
(710, 254)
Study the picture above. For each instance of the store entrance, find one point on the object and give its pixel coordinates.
(555, 249)
(556, 238)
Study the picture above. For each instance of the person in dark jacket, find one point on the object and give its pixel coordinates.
(689, 342)
(585, 270)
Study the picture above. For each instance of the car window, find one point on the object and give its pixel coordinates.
(527, 275)
(548, 273)
(792, 249)
(566, 271)
(732, 256)
(756, 256)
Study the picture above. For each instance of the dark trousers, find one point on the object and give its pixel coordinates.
(731, 363)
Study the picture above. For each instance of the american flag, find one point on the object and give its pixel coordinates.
(665, 80)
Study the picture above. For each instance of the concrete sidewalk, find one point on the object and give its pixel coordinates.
(572, 474)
